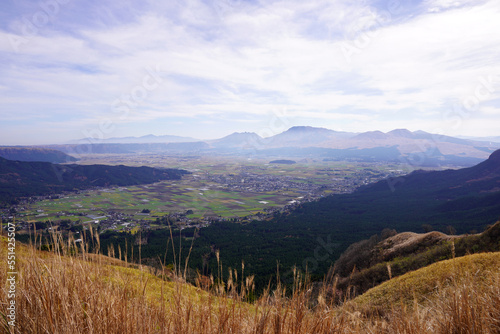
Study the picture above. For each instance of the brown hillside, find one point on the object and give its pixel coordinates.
(407, 243)
(371, 262)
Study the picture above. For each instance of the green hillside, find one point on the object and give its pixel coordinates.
(21, 179)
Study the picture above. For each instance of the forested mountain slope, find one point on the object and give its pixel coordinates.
(313, 236)
(20, 179)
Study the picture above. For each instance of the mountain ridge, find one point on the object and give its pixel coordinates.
(24, 179)
(146, 139)
(237, 140)
(364, 264)
(20, 153)
(417, 148)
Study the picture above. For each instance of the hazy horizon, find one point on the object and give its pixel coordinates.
(104, 69)
(97, 140)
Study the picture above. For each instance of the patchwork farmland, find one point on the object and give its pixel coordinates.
(222, 189)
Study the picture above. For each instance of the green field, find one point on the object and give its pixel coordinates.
(198, 191)
(161, 199)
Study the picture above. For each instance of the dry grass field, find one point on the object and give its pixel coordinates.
(69, 290)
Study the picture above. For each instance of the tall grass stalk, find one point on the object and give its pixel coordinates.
(69, 290)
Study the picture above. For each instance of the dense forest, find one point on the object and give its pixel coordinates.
(22, 179)
(313, 236)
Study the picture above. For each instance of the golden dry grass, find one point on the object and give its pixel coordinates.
(421, 284)
(84, 293)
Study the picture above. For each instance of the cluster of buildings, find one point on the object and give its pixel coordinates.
(243, 180)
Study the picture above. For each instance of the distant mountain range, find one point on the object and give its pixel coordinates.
(417, 148)
(35, 154)
(148, 139)
(491, 138)
(241, 140)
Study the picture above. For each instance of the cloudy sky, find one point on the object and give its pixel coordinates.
(99, 68)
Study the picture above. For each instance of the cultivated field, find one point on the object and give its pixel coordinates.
(218, 186)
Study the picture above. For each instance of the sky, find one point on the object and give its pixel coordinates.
(73, 69)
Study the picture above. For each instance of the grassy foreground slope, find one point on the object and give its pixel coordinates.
(89, 293)
(370, 262)
(420, 286)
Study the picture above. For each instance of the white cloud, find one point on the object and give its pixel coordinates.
(240, 57)
(435, 6)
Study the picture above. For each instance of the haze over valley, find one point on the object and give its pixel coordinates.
(251, 166)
